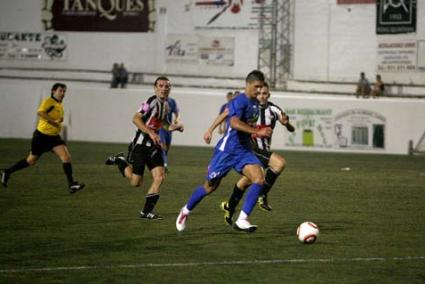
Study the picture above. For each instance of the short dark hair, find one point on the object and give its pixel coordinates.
(160, 78)
(255, 75)
(266, 85)
(58, 85)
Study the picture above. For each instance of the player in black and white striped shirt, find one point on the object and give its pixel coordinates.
(145, 149)
(273, 162)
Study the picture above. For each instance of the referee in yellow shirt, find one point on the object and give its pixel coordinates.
(46, 138)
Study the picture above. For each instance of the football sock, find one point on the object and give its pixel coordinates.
(151, 200)
(165, 158)
(270, 179)
(251, 198)
(121, 166)
(22, 164)
(198, 194)
(67, 168)
(236, 197)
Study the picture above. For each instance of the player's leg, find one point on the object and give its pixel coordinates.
(38, 147)
(276, 165)
(220, 165)
(165, 140)
(21, 164)
(63, 154)
(156, 166)
(255, 174)
(229, 206)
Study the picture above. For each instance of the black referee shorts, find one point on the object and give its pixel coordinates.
(42, 143)
(142, 156)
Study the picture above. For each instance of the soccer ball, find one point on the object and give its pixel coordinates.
(307, 232)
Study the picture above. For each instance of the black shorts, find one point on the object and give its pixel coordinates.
(263, 156)
(42, 143)
(141, 156)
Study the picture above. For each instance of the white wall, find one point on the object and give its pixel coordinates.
(96, 113)
(331, 42)
(336, 42)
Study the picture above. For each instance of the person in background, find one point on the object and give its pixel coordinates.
(115, 76)
(123, 76)
(378, 87)
(363, 86)
(47, 138)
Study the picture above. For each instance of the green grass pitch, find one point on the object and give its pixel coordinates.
(371, 219)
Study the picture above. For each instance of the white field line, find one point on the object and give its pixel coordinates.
(212, 263)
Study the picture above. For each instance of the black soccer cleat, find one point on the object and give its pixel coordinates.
(111, 160)
(264, 204)
(4, 178)
(228, 213)
(75, 187)
(150, 216)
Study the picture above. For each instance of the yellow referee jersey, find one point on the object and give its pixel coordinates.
(54, 109)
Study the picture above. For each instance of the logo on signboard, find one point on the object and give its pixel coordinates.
(54, 46)
(100, 15)
(396, 16)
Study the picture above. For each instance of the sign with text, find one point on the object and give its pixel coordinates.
(183, 48)
(322, 128)
(32, 46)
(228, 14)
(396, 56)
(198, 49)
(395, 17)
(421, 55)
(344, 2)
(99, 15)
(216, 51)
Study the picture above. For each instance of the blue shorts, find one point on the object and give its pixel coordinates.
(165, 136)
(222, 162)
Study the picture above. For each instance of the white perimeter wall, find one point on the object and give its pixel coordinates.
(331, 42)
(98, 114)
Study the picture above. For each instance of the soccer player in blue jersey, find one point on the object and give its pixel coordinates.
(234, 151)
(273, 163)
(165, 135)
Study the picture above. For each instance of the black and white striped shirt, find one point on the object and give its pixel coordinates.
(268, 115)
(154, 113)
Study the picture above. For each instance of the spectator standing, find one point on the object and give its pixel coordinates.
(363, 86)
(123, 76)
(115, 75)
(378, 87)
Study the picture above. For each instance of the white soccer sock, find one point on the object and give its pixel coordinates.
(242, 216)
(186, 211)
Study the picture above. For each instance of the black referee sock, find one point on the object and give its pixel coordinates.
(270, 179)
(151, 200)
(236, 197)
(22, 164)
(67, 168)
(121, 166)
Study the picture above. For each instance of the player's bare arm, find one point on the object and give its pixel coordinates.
(217, 121)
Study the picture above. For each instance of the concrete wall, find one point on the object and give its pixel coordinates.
(331, 42)
(323, 123)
